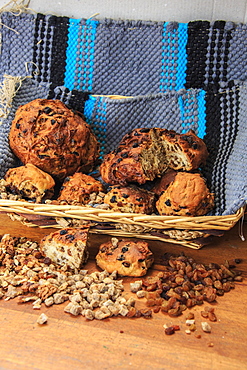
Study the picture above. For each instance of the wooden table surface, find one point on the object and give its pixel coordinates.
(68, 342)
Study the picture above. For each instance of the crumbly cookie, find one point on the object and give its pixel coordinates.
(30, 182)
(54, 138)
(76, 189)
(68, 246)
(130, 199)
(127, 257)
(186, 195)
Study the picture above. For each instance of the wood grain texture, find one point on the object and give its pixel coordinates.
(68, 342)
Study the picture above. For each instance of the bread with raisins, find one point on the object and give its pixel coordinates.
(30, 182)
(67, 247)
(146, 153)
(54, 138)
(184, 152)
(76, 189)
(130, 199)
(138, 158)
(127, 257)
(186, 195)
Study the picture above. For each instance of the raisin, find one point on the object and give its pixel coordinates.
(17, 125)
(135, 145)
(126, 264)
(47, 110)
(125, 196)
(53, 121)
(125, 249)
(145, 130)
(124, 155)
(168, 202)
(170, 330)
(113, 199)
(70, 237)
(120, 258)
(63, 232)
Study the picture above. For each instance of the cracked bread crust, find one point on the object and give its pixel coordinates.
(130, 199)
(138, 158)
(146, 153)
(68, 246)
(54, 138)
(186, 195)
(127, 257)
(184, 151)
(30, 182)
(76, 189)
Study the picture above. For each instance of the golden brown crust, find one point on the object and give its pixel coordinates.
(67, 246)
(130, 199)
(145, 154)
(162, 183)
(184, 151)
(187, 195)
(30, 182)
(76, 189)
(127, 257)
(138, 158)
(54, 138)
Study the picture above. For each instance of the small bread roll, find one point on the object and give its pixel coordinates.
(186, 195)
(127, 257)
(30, 182)
(130, 199)
(76, 189)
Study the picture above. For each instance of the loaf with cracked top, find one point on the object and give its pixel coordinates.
(51, 136)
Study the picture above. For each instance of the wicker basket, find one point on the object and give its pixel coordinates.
(193, 232)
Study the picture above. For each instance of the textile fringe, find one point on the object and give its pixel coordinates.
(16, 7)
(8, 89)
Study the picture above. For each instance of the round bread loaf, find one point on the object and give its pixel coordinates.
(30, 182)
(76, 189)
(186, 195)
(54, 138)
(130, 199)
(127, 257)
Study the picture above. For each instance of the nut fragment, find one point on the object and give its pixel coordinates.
(42, 319)
(206, 327)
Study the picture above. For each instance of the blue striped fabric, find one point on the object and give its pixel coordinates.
(79, 71)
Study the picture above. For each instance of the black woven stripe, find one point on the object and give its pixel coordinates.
(74, 100)
(216, 50)
(37, 40)
(196, 50)
(232, 116)
(78, 99)
(212, 137)
(59, 46)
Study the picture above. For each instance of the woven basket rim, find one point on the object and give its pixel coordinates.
(98, 215)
